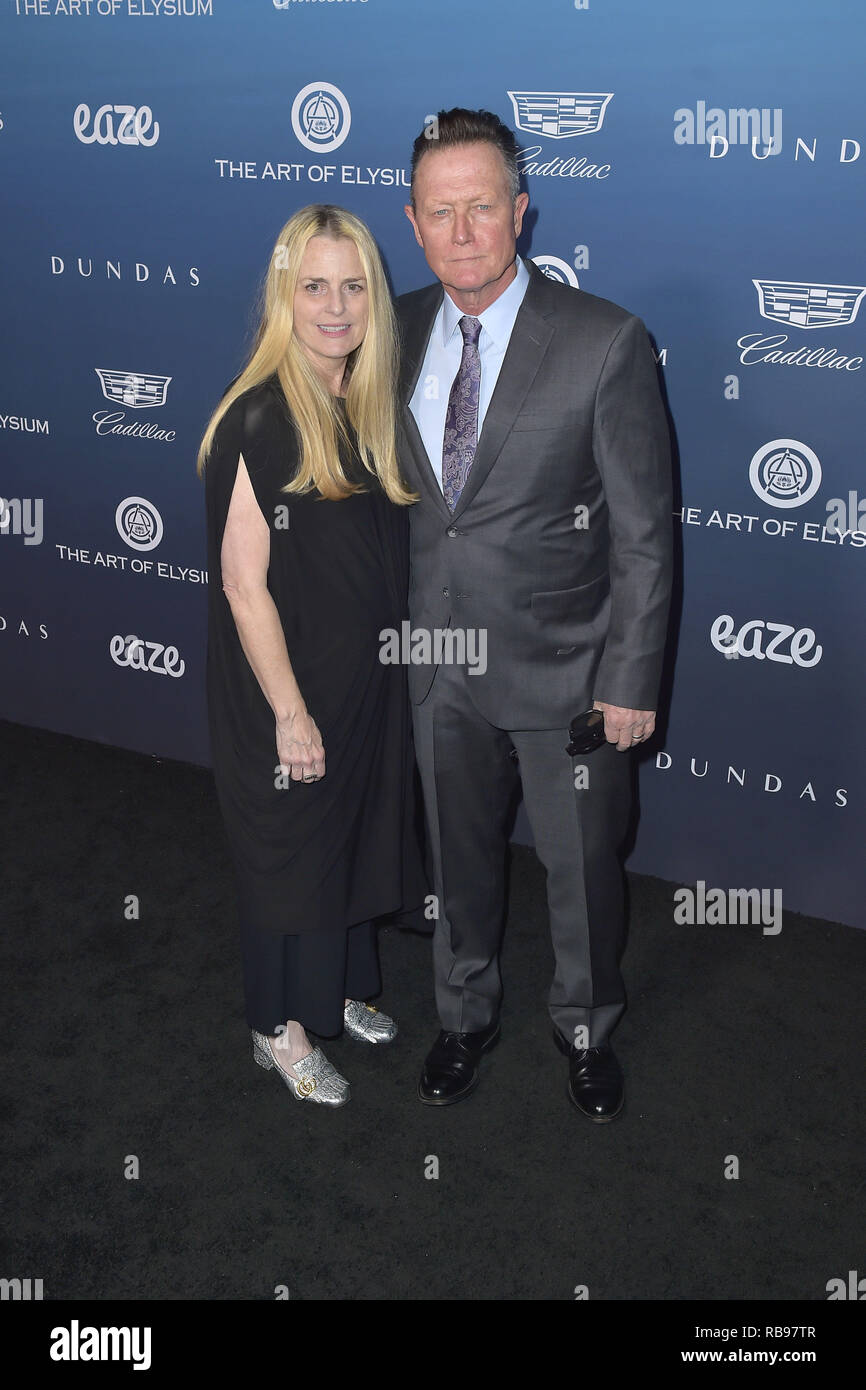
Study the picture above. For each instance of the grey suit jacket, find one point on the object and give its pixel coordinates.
(572, 612)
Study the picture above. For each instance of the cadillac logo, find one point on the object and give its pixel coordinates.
(137, 389)
(559, 115)
(804, 305)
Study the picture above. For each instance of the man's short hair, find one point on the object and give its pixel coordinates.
(462, 127)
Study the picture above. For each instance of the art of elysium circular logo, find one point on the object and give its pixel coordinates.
(558, 270)
(138, 523)
(785, 473)
(321, 117)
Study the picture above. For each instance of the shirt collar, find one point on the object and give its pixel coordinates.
(497, 320)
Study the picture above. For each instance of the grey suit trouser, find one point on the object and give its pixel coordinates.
(469, 781)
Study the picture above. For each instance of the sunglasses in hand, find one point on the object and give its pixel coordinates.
(586, 732)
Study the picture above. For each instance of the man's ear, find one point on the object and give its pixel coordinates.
(521, 203)
(410, 213)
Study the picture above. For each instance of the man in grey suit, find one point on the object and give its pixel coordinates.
(535, 434)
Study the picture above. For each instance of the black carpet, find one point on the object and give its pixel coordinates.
(127, 1038)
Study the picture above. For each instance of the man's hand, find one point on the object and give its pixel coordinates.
(626, 727)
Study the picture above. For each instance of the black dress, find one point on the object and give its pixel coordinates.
(313, 860)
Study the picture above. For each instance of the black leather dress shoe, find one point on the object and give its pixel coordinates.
(450, 1072)
(595, 1080)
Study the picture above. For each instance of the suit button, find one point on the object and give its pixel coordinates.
(446, 593)
(452, 531)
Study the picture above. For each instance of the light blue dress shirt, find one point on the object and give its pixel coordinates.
(429, 403)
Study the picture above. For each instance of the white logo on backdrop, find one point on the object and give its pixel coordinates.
(137, 271)
(146, 656)
(138, 523)
(133, 127)
(321, 117)
(804, 305)
(749, 641)
(556, 269)
(559, 115)
(20, 629)
(736, 775)
(785, 473)
(138, 389)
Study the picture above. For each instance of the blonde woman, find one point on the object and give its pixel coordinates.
(308, 562)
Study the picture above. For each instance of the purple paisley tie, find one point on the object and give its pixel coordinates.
(461, 419)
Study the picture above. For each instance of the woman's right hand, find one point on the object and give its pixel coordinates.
(300, 750)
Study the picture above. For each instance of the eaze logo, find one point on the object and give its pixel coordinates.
(136, 125)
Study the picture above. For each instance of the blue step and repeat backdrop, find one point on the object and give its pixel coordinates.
(702, 165)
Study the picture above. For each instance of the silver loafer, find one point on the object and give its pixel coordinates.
(318, 1080)
(367, 1024)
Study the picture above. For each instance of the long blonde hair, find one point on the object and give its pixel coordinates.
(371, 397)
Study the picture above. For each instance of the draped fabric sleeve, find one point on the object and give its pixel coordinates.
(253, 427)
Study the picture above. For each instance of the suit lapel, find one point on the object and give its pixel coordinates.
(414, 346)
(414, 335)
